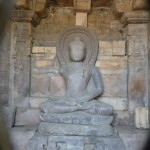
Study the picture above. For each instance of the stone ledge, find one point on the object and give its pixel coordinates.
(135, 17)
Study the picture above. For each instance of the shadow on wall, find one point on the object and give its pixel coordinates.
(5, 7)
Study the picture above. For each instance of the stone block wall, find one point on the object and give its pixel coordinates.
(121, 50)
(59, 18)
(105, 24)
(101, 20)
(28, 56)
(112, 59)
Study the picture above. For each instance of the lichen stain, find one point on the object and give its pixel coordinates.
(138, 85)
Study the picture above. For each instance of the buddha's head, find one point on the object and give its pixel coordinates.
(77, 50)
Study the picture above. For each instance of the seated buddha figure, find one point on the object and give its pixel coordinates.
(83, 86)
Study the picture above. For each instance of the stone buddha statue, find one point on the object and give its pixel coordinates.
(80, 92)
(77, 121)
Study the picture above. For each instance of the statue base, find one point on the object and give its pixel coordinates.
(79, 117)
(47, 128)
(61, 142)
(87, 129)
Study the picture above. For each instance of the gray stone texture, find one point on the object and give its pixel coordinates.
(138, 65)
(123, 118)
(110, 88)
(132, 138)
(63, 105)
(82, 79)
(73, 129)
(40, 85)
(9, 114)
(77, 118)
(20, 64)
(20, 136)
(27, 117)
(75, 143)
(38, 142)
(114, 72)
(119, 104)
(36, 101)
(57, 86)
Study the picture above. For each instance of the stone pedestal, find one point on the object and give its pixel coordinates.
(75, 131)
(42, 142)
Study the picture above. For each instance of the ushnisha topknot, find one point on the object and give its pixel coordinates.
(77, 42)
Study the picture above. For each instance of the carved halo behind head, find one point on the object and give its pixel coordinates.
(86, 35)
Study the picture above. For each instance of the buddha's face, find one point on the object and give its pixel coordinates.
(77, 50)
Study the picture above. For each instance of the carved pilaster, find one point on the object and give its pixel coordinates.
(136, 34)
(21, 43)
(20, 64)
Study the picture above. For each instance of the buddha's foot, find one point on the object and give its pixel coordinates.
(96, 107)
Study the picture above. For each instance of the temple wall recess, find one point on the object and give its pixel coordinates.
(29, 72)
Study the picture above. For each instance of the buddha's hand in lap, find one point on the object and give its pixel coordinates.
(65, 100)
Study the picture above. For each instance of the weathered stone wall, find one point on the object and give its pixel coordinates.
(59, 18)
(101, 20)
(4, 65)
(35, 82)
(34, 76)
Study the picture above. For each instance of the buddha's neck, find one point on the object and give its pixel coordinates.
(77, 63)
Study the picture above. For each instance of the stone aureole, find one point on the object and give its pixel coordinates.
(77, 116)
